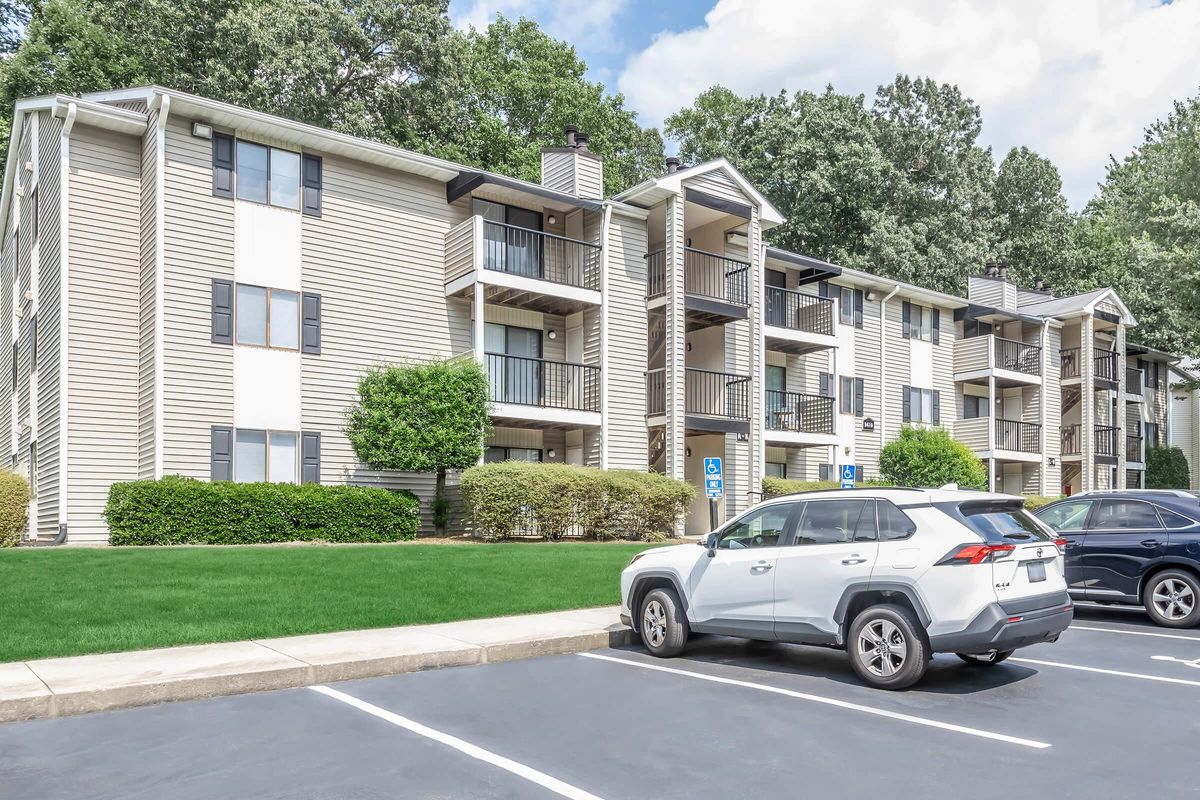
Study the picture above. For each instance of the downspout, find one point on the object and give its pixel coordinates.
(882, 361)
(160, 281)
(64, 316)
(1043, 486)
(604, 311)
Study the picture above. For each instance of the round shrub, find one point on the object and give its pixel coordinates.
(1166, 468)
(14, 507)
(928, 457)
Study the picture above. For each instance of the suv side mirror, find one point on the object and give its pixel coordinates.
(710, 543)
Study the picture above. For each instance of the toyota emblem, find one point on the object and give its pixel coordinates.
(1039, 552)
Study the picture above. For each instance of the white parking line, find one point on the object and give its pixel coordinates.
(1116, 672)
(829, 701)
(520, 770)
(1136, 633)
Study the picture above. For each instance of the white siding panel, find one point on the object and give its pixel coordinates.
(49, 323)
(627, 344)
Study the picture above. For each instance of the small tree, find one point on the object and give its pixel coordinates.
(1166, 468)
(422, 417)
(929, 457)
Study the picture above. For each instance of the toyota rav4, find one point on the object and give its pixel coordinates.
(890, 575)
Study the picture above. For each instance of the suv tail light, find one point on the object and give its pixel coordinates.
(1061, 544)
(977, 553)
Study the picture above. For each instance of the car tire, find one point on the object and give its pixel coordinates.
(662, 624)
(1172, 598)
(887, 647)
(985, 659)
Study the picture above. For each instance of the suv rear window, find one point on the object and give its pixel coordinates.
(999, 522)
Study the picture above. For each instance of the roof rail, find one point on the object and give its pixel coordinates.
(1167, 492)
(855, 489)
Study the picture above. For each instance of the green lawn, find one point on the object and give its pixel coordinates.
(73, 601)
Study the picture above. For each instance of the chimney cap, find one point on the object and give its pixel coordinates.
(672, 164)
(581, 141)
(569, 132)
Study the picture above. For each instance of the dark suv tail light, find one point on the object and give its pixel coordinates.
(977, 553)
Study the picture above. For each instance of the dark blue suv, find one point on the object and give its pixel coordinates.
(1133, 547)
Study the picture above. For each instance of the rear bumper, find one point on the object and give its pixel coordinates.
(626, 620)
(1008, 626)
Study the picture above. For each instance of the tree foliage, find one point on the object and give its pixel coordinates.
(930, 458)
(1166, 468)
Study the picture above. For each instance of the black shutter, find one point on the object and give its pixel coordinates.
(311, 182)
(222, 163)
(936, 327)
(310, 329)
(858, 303)
(222, 454)
(823, 289)
(826, 390)
(936, 407)
(310, 458)
(906, 311)
(222, 311)
(858, 397)
(906, 405)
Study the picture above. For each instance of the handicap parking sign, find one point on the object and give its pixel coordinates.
(714, 481)
(848, 476)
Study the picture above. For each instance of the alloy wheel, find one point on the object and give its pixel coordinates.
(1173, 599)
(882, 647)
(654, 623)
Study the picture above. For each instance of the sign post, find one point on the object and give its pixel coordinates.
(848, 476)
(714, 488)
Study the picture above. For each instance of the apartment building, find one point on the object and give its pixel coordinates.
(195, 289)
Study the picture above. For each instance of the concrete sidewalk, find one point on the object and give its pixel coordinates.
(82, 684)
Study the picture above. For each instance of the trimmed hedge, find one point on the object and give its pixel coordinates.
(1035, 501)
(929, 457)
(555, 500)
(14, 507)
(177, 510)
(774, 487)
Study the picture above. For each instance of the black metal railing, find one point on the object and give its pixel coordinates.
(1070, 440)
(716, 277)
(656, 274)
(1018, 356)
(716, 394)
(545, 256)
(656, 392)
(1133, 380)
(799, 412)
(1024, 437)
(1106, 366)
(538, 382)
(1133, 448)
(787, 308)
(1069, 359)
(1106, 440)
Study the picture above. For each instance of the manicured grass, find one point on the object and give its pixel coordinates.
(69, 602)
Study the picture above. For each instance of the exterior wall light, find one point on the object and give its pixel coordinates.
(202, 130)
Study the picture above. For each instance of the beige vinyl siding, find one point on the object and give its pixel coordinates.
(376, 257)
(866, 366)
(558, 171)
(7, 256)
(943, 367)
(197, 378)
(103, 333)
(24, 306)
(1052, 388)
(718, 183)
(49, 322)
(147, 285)
(897, 369)
(625, 305)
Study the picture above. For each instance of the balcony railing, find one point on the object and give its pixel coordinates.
(1018, 356)
(545, 256)
(1069, 358)
(707, 393)
(1106, 366)
(538, 382)
(1070, 440)
(1106, 440)
(1133, 448)
(1023, 437)
(787, 308)
(798, 412)
(1133, 380)
(705, 274)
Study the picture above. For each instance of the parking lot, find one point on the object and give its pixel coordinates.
(1105, 712)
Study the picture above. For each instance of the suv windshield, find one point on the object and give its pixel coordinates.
(999, 521)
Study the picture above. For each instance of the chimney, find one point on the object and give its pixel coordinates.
(1038, 285)
(989, 269)
(573, 168)
(986, 290)
(1002, 269)
(672, 165)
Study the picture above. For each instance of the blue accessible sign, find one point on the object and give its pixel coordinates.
(848, 476)
(714, 481)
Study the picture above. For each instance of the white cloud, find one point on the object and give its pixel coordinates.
(590, 25)
(1075, 80)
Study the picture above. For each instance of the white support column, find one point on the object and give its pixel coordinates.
(676, 342)
(1087, 404)
(993, 415)
(64, 316)
(1120, 413)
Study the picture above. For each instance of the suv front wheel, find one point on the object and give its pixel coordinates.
(662, 624)
(887, 647)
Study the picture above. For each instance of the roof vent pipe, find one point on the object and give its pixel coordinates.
(1002, 269)
(581, 141)
(1037, 283)
(570, 131)
(989, 269)
(672, 165)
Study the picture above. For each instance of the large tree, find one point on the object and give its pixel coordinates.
(1033, 222)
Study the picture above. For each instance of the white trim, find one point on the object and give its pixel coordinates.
(34, 294)
(160, 279)
(672, 183)
(774, 438)
(492, 277)
(802, 337)
(605, 228)
(64, 302)
(554, 416)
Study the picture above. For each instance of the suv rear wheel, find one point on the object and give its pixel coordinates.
(887, 647)
(1173, 599)
(662, 624)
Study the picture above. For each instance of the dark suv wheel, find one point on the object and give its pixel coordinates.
(1172, 597)
(662, 624)
(887, 647)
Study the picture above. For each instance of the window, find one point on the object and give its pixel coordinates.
(285, 179)
(1000, 522)
(974, 406)
(851, 398)
(776, 469)
(1152, 434)
(1172, 520)
(1070, 516)
(832, 521)
(760, 528)
(919, 322)
(265, 456)
(1124, 515)
(776, 378)
(268, 317)
(268, 175)
(921, 405)
(495, 454)
(252, 163)
(894, 523)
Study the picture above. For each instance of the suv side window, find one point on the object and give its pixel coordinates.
(1071, 516)
(1172, 520)
(832, 521)
(1124, 515)
(894, 523)
(761, 528)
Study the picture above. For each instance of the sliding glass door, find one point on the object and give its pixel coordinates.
(512, 240)
(514, 363)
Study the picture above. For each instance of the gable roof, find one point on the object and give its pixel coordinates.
(655, 190)
(1078, 304)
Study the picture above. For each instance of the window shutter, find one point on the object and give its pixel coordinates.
(858, 305)
(823, 289)
(936, 327)
(858, 397)
(310, 339)
(826, 390)
(311, 181)
(936, 407)
(222, 311)
(222, 163)
(222, 454)
(310, 458)
(905, 313)
(906, 405)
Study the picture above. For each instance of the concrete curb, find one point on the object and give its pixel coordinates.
(84, 684)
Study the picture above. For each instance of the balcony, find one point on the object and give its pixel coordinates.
(1010, 362)
(1133, 385)
(1014, 440)
(717, 402)
(534, 391)
(799, 420)
(1104, 442)
(716, 288)
(796, 322)
(1104, 367)
(1018, 436)
(1133, 449)
(522, 267)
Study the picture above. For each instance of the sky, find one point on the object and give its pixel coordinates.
(1076, 80)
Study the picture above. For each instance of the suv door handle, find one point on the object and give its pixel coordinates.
(1149, 542)
(761, 566)
(849, 562)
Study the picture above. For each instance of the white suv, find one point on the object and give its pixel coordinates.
(890, 575)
